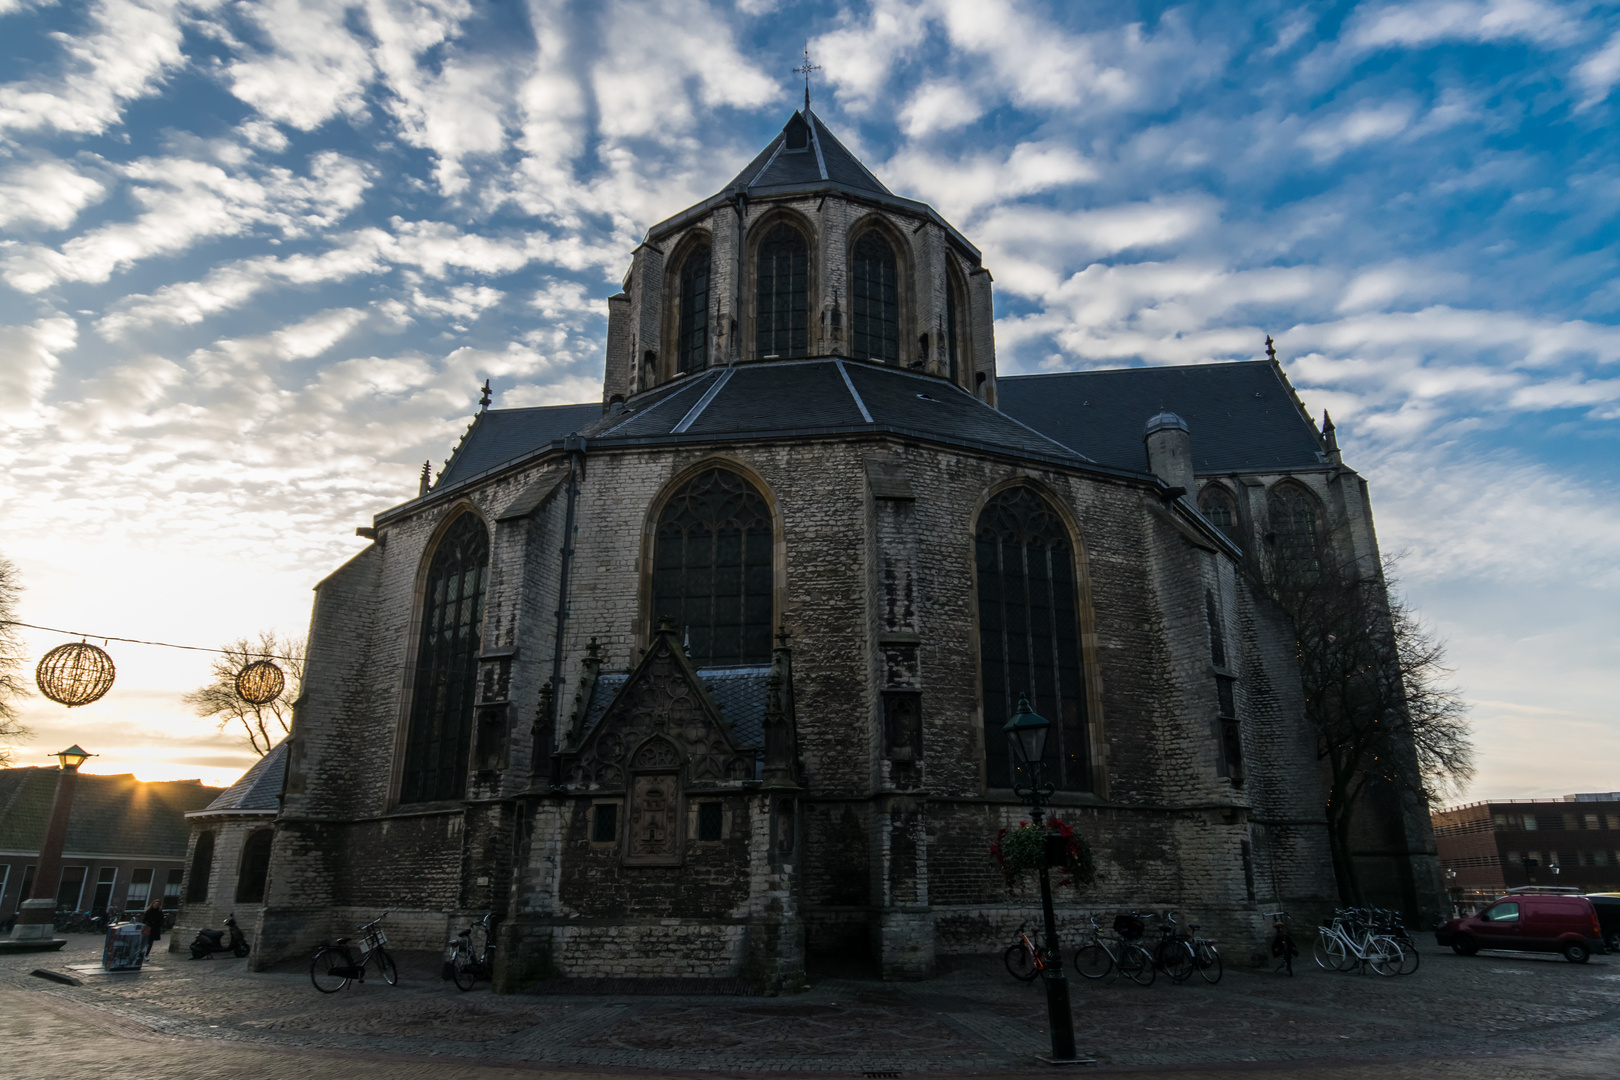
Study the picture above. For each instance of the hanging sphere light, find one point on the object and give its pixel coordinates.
(260, 683)
(75, 674)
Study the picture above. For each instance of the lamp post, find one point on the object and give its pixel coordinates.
(1028, 731)
(37, 917)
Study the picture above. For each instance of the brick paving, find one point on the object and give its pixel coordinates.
(1489, 1016)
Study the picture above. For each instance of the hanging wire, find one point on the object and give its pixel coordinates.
(105, 639)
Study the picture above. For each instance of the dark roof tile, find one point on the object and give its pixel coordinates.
(499, 435)
(113, 815)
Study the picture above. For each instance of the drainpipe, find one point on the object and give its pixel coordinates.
(574, 445)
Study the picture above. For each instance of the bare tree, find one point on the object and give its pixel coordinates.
(262, 725)
(1377, 694)
(13, 681)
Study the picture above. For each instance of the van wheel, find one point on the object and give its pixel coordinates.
(1463, 945)
(1577, 953)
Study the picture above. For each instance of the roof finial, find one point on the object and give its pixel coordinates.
(484, 399)
(805, 69)
(426, 480)
(1271, 350)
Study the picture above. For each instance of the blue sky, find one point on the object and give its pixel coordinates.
(256, 258)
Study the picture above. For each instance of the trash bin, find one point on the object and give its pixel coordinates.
(126, 947)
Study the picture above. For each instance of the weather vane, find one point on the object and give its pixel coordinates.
(805, 69)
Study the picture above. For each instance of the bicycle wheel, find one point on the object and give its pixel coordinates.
(1093, 961)
(321, 972)
(1020, 962)
(1137, 964)
(1384, 955)
(1331, 955)
(1176, 960)
(1207, 959)
(463, 968)
(385, 964)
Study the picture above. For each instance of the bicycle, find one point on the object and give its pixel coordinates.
(333, 966)
(1393, 926)
(1206, 957)
(1024, 958)
(1095, 959)
(1350, 943)
(1173, 955)
(1282, 944)
(468, 963)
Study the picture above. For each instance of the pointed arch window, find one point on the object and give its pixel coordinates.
(782, 311)
(1029, 636)
(952, 347)
(712, 569)
(692, 341)
(1296, 533)
(254, 872)
(875, 301)
(441, 724)
(202, 867)
(1220, 510)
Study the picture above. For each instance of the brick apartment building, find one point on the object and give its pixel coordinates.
(1489, 847)
(126, 839)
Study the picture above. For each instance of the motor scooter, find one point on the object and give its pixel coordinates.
(210, 942)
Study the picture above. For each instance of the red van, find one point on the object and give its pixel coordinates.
(1529, 922)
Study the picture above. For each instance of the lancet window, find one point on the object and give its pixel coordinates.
(782, 310)
(441, 722)
(712, 569)
(1296, 533)
(1029, 637)
(875, 301)
(692, 342)
(1219, 509)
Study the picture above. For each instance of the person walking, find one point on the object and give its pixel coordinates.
(153, 918)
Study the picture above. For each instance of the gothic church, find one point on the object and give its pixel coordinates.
(708, 679)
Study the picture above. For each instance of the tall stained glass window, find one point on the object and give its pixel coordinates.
(782, 313)
(875, 301)
(1296, 533)
(1220, 510)
(1029, 638)
(692, 345)
(712, 569)
(441, 724)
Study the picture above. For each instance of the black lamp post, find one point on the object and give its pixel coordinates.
(1028, 731)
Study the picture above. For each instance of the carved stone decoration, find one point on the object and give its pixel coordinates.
(653, 836)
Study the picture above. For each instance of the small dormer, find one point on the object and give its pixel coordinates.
(805, 253)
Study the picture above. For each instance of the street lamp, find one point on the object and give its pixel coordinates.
(36, 915)
(1554, 867)
(1028, 737)
(73, 757)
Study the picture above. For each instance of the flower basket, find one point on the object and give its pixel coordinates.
(1021, 850)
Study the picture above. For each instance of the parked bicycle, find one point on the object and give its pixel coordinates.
(1350, 943)
(1393, 926)
(471, 958)
(1173, 954)
(1096, 957)
(334, 964)
(1282, 943)
(1206, 958)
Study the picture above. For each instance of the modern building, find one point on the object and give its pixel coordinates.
(126, 839)
(1489, 847)
(710, 677)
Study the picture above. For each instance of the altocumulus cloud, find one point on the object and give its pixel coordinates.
(258, 257)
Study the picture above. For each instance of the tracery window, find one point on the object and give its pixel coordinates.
(1029, 639)
(441, 724)
(1221, 512)
(255, 869)
(782, 311)
(1296, 533)
(712, 569)
(875, 301)
(692, 339)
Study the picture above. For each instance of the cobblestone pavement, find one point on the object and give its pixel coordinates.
(1489, 1016)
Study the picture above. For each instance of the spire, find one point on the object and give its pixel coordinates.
(805, 69)
(1330, 436)
(1271, 350)
(426, 481)
(484, 399)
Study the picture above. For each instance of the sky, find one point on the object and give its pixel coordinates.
(256, 259)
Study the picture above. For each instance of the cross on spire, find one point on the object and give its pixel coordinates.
(805, 69)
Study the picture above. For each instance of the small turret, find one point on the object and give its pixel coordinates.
(1330, 436)
(1169, 451)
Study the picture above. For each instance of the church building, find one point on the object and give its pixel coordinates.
(708, 679)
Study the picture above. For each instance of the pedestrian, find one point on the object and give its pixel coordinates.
(153, 918)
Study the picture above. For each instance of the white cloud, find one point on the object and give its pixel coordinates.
(29, 357)
(461, 302)
(943, 105)
(859, 55)
(1433, 21)
(961, 186)
(1332, 137)
(48, 192)
(315, 69)
(1599, 72)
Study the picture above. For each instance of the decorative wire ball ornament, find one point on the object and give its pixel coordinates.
(260, 683)
(75, 674)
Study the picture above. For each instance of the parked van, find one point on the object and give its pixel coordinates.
(1529, 920)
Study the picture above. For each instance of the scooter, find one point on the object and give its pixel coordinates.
(210, 942)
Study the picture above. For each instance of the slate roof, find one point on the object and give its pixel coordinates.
(112, 815)
(259, 788)
(1243, 416)
(499, 435)
(738, 691)
(805, 152)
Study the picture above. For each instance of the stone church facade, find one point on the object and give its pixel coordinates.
(708, 679)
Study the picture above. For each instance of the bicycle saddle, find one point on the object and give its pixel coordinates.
(342, 941)
(465, 933)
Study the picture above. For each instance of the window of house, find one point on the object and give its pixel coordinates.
(1220, 510)
(140, 889)
(1529, 822)
(441, 723)
(202, 865)
(709, 821)
(875, 301)
(1029, 640)
(1600, 858)
(171, 889)
(106, 878)
(712, 569)
(604, 823)
(71, 889)
(1296, 531)
(255, 869)
(692, 340)
(782, 310)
